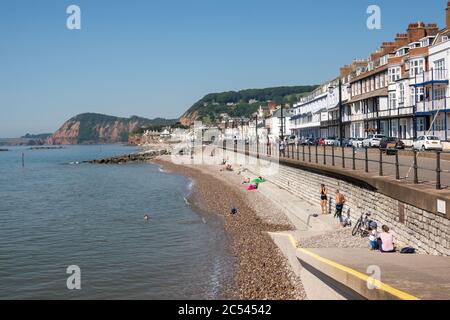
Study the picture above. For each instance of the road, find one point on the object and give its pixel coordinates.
(426, 162)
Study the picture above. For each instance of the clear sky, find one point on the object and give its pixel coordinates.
(157, 57)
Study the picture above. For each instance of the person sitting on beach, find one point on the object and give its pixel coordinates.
(246, 181)
(229, 167)
(373, 237)
(258, 180)
(252, 187)
(386, 241)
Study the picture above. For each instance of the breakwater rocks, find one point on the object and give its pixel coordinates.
(134, 157)
(46, 148)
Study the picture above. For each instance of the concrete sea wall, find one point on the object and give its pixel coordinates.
(424, 230)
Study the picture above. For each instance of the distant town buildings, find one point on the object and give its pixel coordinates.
(401, 90)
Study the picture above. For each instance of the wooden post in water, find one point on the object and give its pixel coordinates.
(23, 160)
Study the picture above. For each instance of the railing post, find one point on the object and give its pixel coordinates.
(416, 176)
(298, 153)
(354, 158)
(367, 159)
(324, 155)
(397, 166)
(381, 163)
(303, 153)
(332, 156)
(343, 156)
(317, 153)
(309, 151)
(292, 153)
(287, 147)
(438, 170)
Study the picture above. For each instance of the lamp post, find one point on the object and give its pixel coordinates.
(340, 126)
(257, 137)
(282, 123)
(341, 133)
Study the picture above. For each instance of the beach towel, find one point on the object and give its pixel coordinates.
(252, 187)
(258, 181)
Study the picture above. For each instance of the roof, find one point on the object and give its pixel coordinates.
(370, 73)
(286, 113)
(377, 93)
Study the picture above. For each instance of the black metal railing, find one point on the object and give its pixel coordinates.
(413, 166)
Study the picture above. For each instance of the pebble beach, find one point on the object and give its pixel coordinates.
(262, 272)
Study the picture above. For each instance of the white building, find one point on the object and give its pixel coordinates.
(280, 122)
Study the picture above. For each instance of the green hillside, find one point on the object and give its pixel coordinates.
(242, 103)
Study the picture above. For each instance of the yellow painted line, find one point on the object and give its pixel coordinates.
(376, 283)
(290, 237)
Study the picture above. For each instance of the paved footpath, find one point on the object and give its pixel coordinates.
(405, 277)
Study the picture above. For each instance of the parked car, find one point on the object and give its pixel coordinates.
(347, 142)
(425, 143)
(291, 139)
(357, 142)
(373, 140)
(391, 145)
(308, 142)
(319, 142)
(331, 141)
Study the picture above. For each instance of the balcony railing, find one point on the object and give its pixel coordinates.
(434, 75)
(433, 105)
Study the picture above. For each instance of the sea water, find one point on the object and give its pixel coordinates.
(56, 212)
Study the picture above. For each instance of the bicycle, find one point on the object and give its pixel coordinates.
(362, 226)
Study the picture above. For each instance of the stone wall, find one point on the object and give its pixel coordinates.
(411, 226)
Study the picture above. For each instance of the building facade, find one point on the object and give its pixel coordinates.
(401, 90)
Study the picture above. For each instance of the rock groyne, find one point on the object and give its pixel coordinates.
(134, 157)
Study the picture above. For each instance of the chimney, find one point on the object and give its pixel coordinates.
(447, 15)
(416, 31)
(432, 29)
(401, 40)
(345, 71)
(387, 47)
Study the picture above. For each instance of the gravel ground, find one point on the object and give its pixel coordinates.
(261, 271)
(339, 239)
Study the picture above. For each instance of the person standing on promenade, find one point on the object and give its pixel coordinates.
(282, 148)
(340, 201)
(324, 199)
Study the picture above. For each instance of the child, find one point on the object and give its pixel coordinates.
(373, 238)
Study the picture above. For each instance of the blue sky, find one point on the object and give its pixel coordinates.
(157, 57)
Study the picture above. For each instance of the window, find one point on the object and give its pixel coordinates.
(439, 124)
(420, 125)
(416, 67)
(401, 95)
(392, 100)
(394, 74)
(439, 94)
(439, 67)
(420, 94)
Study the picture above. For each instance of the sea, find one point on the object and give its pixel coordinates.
(70, 230)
